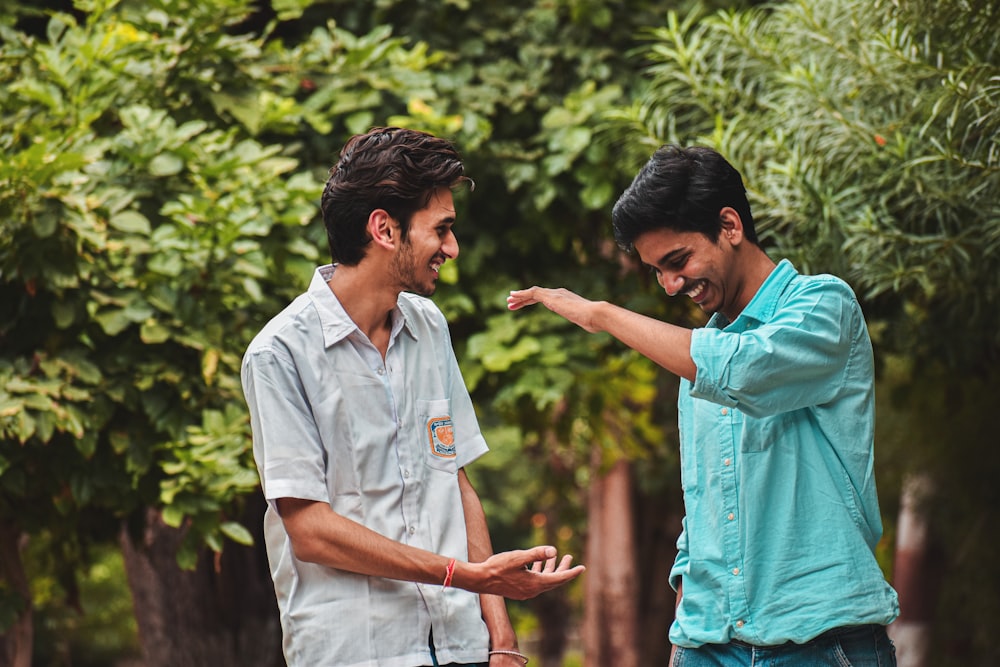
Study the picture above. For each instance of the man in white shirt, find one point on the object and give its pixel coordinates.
(377, 542)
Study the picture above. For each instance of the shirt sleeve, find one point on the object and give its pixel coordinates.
(287, 447)
(796, 359)
(470, 443)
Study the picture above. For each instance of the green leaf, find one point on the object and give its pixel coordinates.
(237, 533)
(172, 516)
(166, 164)
(113, 321)
(152, 332)
(63, 313)
(131, 222)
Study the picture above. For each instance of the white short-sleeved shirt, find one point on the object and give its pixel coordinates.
(382, 442)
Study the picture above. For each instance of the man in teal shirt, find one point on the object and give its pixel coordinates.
(776, 561)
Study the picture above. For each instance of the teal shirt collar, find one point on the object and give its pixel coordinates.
(765, 302)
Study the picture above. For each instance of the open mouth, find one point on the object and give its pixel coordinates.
(697, 292)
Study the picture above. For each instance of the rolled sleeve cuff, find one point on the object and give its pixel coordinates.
(711, 351)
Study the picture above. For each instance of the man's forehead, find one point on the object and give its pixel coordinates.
(654, 244)
(441, 204)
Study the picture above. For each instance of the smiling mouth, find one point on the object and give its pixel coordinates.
(436, 266)
(696, 292)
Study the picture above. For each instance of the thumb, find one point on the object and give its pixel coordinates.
(535, 554)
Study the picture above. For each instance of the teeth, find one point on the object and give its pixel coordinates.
(696, 291)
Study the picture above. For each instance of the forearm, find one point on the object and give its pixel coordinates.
(320, 535)
(666, 344)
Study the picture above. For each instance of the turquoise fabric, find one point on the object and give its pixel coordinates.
(777, 452)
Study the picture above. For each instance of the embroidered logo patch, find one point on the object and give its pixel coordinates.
(441, 433)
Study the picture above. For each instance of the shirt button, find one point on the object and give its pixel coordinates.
(725, 411)
(736, 570)
(726, 461)
(406, 474)
(412, 530)
(739, 624)
(731, 516)
(380, 371)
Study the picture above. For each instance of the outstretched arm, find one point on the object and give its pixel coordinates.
(320, 535)
(666, 344)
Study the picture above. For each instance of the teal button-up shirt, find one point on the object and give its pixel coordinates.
(777, 457)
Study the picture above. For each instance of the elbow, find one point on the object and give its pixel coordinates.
(304, 548)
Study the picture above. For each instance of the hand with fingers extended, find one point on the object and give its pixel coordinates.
(561, 301)
(518, 575)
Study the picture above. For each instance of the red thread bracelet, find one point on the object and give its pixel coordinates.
(450, 572)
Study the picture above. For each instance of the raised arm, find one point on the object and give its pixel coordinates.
(666, 344)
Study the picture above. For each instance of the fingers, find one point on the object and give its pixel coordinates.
(548, 565)
(520, 298)
(552, 565)
(520, 575)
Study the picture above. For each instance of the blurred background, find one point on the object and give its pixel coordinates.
(161, 168)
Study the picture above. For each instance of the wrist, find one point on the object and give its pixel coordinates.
(513, 653)
(599, 315)
(465, 576)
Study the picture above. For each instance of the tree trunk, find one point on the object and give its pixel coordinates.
(222, 614)
(914, 576)
(16, 641)
(610, 614)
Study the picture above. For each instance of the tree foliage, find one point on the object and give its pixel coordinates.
(155, 212)
(162, 163)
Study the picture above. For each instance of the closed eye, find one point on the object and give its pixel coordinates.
(677, 263)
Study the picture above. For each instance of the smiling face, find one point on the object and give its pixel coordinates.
(690, 263)
(429, 242)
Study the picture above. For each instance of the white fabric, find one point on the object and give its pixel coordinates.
(333, 423)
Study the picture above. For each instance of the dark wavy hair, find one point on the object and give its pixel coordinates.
(390, 168)
(681, 189)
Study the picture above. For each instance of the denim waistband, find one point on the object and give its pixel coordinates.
(834, 633)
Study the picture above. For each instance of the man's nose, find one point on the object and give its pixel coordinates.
(450, 246)
(671, 283)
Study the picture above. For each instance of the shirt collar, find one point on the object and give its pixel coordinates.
(337, 324)
(763, 304)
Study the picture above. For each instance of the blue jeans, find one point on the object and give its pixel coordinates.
(861, 646)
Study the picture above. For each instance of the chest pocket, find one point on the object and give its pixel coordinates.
(438, 434)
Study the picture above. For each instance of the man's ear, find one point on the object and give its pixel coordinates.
(383, 229)
(732, 225)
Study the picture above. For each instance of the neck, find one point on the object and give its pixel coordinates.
(756, 267)
(367, 298)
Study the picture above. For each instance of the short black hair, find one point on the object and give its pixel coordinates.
(390, 168)
(682, 189)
